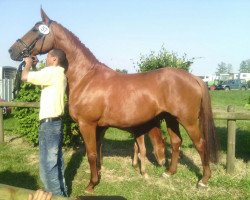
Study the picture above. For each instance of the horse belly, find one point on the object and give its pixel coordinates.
(128, 114)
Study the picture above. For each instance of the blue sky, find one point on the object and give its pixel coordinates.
(118, 32)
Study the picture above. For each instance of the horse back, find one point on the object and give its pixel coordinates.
(123, 100)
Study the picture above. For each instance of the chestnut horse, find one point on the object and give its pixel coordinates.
(100, 97)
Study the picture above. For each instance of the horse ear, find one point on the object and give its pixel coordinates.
(45, 18)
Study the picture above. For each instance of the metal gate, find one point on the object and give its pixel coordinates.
(6, 89)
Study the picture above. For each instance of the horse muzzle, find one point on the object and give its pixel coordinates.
(16, 56)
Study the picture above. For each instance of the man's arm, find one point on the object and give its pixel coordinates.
(40, 195)
(29, 62)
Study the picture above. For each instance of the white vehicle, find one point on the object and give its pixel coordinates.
(245, 76)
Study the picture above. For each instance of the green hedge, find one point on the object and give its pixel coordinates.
(29, 121)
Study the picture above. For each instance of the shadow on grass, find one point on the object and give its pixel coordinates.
(125, 148)
(18, 179)
(184, 160)
(242, 143)
(122, 148)
(72, 167)
(100, 198)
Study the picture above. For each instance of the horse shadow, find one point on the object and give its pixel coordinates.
(124, 148)
(100, 198)
(110, 148)
(242, 142)
(19, 179)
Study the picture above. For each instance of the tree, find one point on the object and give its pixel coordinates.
(245, 66)
(224, 68)
(163, 59)
(124, 71)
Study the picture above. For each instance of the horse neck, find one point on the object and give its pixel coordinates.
(80, 58)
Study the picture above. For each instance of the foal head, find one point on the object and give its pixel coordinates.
(159, 152)
(38, 40)
(159, 145)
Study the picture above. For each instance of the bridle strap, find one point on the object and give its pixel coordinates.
(26, 51)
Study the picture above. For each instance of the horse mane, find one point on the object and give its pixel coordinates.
(78, 43)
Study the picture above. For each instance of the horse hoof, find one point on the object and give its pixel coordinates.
(166, 175)
(89, 190)
(201, 185)
(146, 176)
(135, 166)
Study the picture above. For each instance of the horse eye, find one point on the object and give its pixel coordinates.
(34, 29)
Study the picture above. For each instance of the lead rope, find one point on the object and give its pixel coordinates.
(18, 82)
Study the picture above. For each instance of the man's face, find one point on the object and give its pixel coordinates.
(51, 60)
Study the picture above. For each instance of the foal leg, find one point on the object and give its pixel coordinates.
(176, 141)
(200, 144)
(135, 157)
(89, 135)
(142, 149)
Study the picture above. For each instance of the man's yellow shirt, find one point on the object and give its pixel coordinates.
(53, 82)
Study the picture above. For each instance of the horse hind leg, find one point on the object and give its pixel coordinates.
(176, 141)
(200, 145)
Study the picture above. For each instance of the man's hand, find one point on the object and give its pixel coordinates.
(34, 62)
(29, 62)
(40, 195)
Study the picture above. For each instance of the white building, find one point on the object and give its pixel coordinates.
(7, 77)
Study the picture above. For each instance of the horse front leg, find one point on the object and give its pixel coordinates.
(88, 132)
(100, 132)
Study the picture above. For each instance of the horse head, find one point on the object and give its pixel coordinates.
(38, 40)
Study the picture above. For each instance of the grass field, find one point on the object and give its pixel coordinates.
(19, 164)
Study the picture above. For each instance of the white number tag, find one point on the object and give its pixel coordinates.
(43, 29)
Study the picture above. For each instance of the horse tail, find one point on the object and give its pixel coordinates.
(207, 126)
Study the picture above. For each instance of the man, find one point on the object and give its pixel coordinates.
(53, 82)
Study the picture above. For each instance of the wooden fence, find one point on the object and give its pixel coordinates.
(230, 115)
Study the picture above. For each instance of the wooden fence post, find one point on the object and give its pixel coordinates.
(231, 128)
(1, 126)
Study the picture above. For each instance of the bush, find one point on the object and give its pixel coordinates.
(28, 118)
(163, 59)
(248, 84)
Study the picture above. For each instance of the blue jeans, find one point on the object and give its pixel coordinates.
(51, 157)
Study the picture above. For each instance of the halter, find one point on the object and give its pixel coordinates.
(43, 31)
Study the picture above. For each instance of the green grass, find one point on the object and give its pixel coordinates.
(19, 164)
(221, 99)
